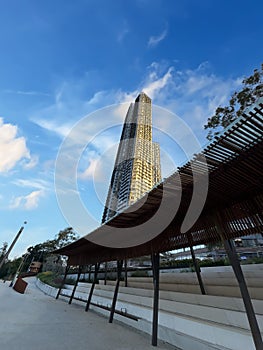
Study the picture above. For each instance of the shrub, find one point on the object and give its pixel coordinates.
(50, 278)
(139, 273)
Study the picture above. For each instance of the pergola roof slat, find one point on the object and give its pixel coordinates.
(234, 164)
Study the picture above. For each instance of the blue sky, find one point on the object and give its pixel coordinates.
(62, 60)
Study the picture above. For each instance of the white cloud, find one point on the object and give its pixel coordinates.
(28, 202)
(202, 92)
(153, 87)
(89, 172)
(193, 94)
(32, 162)
(155, 40)
(61, 129)
(12, 148)
(33, 183)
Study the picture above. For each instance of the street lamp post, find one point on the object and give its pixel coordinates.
(19, 268)
(12, 245)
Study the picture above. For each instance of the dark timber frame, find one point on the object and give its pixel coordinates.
(233, 258)
(105, 273)
(97, 266)
(63, 281)
(197, 271)
(113, 305)
(75, 285)
(196, 266)
(125, 273)
(234, 261)
(156, 274)
(235, 193)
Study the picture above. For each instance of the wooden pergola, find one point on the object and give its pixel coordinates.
(232, 167)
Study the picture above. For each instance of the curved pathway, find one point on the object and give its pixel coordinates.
(36, 321)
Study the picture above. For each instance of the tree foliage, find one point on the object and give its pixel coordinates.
(65, 237)
(3, 250)
(252, 89)
(40, 252)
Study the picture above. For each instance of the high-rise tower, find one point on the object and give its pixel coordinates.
(137, 166)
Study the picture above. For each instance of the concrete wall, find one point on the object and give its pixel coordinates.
(187, 321)
(46, 288)
(217, 281)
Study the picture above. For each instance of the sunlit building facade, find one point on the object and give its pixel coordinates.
(137, 166)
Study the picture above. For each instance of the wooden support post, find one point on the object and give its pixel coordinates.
(113, 305)
(90, 273)
(197, 271)
(233, 258)
(75, 285)
(106, 273)
(126, 273)
(156, 273)
(92, 286)
(259, 212)
(63, 281)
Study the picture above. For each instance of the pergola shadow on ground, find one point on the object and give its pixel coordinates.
(233, 208)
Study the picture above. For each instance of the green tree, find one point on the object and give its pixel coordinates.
(66, 236)
(9, 269)
(41, 252)
(3, 250)
(252, 89)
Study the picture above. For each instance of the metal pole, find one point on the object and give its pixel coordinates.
(197, 270)
(19, 269)
(5, 257)
(156, 274)
(92, 286)
(113, 305)
(233, 258)
(75, 285)
(63, 281)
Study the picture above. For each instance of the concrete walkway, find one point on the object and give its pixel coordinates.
(38, 322)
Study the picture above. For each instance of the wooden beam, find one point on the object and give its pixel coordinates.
(156, 273)
(233, 258)
(197, 271)
(105, 273)
(97, 266)
(63, 281)
(126, 273)
(75, 285)
(113, 305)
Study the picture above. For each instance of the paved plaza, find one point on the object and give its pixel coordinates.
(36, 321)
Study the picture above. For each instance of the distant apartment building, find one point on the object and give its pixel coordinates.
(137, 166)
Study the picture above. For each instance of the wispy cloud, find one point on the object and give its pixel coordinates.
(89, 172)
(193, 94)
(123, 32)
(33, 183)
(155, 85)
(30, 92)
(28, 202)
(33, 161)
(155, 40)
(54, 126)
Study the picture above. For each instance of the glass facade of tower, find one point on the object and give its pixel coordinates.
(137, 166)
